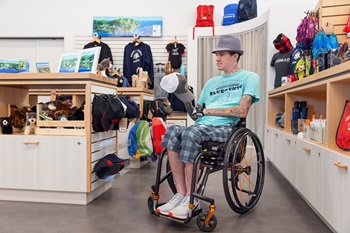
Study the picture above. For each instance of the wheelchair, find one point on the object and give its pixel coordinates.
(241, 159)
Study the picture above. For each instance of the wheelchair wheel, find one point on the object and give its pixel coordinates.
(211, 224)
(244, 170)
(150, 205)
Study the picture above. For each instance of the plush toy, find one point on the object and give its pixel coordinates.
(30, 123)
(18, 116)
(6, 126)
(103, 66)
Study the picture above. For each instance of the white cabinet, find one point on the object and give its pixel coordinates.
(335, 190)
(309, 171)
(43, 163)
(287, 158)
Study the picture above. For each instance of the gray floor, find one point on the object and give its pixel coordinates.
(124, 209)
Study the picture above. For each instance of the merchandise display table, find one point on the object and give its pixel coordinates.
(55, 164)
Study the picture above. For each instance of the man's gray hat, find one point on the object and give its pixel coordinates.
(229, 43)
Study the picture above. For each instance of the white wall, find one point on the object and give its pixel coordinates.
(68, 18)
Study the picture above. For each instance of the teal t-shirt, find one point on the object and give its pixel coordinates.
(226, 91)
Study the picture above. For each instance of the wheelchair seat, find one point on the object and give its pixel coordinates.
(241, 159)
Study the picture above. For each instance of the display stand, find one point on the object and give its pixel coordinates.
(55, 165)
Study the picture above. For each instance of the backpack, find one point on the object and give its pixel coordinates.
(230, 14)
(247, 9)
(132, 110)
(205, 16)
(343, 132)
(158, 131)
(133, 148)
(107, 110)
(144, 139)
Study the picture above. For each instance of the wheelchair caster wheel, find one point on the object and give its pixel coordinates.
(201, 222)
(150, 205)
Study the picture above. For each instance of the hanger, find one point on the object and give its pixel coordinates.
(137, 39)
(175, 41)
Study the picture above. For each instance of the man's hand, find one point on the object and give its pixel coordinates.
(194, 112)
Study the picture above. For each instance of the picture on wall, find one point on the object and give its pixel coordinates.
(89, 60)
(43, 67)
(128, 26)
(68, 63)
(14, 66)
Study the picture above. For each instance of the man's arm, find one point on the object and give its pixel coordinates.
(236, 111)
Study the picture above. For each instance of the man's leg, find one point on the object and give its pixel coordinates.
(178, 171)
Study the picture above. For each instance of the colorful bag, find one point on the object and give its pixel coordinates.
(342, 137)
(158, 131)
(247, 9)
(205, 16)
(230, 14)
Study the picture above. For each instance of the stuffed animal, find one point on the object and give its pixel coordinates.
(103, 66)
(6, 126)
(18, 116)
(30, 123)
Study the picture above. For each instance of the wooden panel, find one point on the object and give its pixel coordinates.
(338, 10)
(334, 2)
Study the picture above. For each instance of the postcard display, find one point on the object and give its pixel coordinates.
(55, 164)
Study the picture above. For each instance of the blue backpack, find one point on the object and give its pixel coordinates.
(230, 14)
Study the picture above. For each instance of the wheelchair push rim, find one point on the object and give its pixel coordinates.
(244, 170)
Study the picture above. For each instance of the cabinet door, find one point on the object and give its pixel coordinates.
(43, 163)
(308, 171)
(335, 207)
(288, 157)
(275, 147)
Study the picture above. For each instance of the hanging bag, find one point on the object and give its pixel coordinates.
(247, 9)
(205, 17)
(230, 14)
(342, 138)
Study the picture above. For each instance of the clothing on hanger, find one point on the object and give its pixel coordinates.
(105, 50)
(138, 55)
(175, 50)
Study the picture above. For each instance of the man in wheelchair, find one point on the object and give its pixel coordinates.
(223, 101)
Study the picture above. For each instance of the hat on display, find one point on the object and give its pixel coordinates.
(109, 165)
(229, 43)
(176, 83)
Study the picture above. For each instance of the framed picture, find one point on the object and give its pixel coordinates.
(43, 67)
(89, 60)
(128, 26)
(69, 63)
(14, 66)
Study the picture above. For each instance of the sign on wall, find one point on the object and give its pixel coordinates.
(128, 26)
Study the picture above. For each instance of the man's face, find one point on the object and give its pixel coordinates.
(224, 60)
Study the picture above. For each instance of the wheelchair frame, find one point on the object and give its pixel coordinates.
(231, 157)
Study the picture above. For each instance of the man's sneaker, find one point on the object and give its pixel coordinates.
(181, 211)
(174, 201)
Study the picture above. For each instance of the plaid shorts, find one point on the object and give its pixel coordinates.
(187, 141)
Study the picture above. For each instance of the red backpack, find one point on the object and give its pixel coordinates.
(343, 132)
(205, 17)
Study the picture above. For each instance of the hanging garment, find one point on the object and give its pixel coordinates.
(138, 55)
